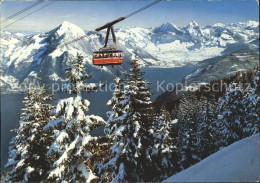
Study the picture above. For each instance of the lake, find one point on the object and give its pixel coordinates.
(11, 104)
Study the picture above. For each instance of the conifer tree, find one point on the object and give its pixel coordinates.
(165, 153)
(238, 113)
(252, 101)
(188, 141)
(70, 149)
(132, 135)
(230, 113)
(206, 129)
(28, 149)
(117, 103)
(112, 129)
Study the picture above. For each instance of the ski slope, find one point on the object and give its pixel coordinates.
(238, 162)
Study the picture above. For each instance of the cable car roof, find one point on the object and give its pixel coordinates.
(108, 51)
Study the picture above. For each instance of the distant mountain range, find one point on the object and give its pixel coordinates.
(23, 55)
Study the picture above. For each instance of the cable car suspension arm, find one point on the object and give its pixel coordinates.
(113, 36)
(110, 24)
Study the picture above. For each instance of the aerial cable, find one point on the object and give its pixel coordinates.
(143, 8)
(127, 16)
(22, 11)
(29, 14)
(72, 41)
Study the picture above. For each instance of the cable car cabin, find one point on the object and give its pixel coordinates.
(108, 57)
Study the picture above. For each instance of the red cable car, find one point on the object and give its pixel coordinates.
(105, 55)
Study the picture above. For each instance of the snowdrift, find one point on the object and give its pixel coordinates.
(238, 162)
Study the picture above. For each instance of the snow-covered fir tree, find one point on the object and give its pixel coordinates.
(231, 112)
(165, 153)
(253, 102)
(238, 113)
(206, 130)
(71, 131)
(115, 120)
(131, 128)
(117, 103)
(187, 140)
(28, 149)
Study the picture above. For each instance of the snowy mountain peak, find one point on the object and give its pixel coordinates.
(219, 25)
(64, 33)
(69, 28)
(66, 24)
(193, 23)
(253, 24)
(167, 27)
(193, 29)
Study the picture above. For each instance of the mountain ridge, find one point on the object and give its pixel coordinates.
(23, 54)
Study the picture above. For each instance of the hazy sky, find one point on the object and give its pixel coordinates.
(91, 14)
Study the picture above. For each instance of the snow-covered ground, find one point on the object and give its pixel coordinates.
(238, 162)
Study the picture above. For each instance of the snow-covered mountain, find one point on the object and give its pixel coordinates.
(238, 162)
(223, 66)
(44, 52)
(163, 46)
